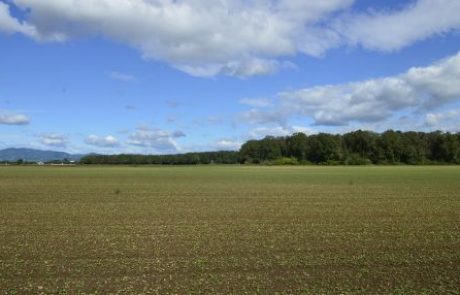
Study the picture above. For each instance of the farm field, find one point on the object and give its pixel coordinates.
(230, 229)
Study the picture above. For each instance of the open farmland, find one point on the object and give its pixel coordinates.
(230, 229)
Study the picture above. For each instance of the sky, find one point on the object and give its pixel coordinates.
(174, 76)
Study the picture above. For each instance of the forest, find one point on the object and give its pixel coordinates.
(353, 148)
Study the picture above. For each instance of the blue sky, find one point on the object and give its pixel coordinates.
(163, 76)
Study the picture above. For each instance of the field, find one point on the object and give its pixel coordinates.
(217, 229)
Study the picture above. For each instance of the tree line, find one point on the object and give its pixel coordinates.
(353, 148)
(221, 157)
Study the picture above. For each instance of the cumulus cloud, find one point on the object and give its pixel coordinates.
(372, 100)
(160, 141)
(438, 83)
(203, 38)
(53, 140)
(366, 101)
(232, 37)
(102, 141)
(9, 118)
(386, 101)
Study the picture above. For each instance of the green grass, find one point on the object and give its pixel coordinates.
(216, 229)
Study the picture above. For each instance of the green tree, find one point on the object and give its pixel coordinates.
(324, 148)
(297, 146)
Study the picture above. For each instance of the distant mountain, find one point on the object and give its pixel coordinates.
(33, 155)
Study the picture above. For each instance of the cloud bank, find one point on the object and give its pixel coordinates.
(231, 37)
(418, 90)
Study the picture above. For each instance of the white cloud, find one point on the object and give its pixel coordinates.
(223, 144)
(392, 30)
(121, 76)
(228, 145)
(10, 25)
(303, 129)
(261, 132)
(266, 116)
(256, 102)
(366, 101)
(202, 38)
(439, 82)
(232, 37)
(447, 120)
(107, 141)
(398, 101)
(9, 118)
(254, 67)
(53, 140)
(243, 68)
(371, 100)
(159, 140)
